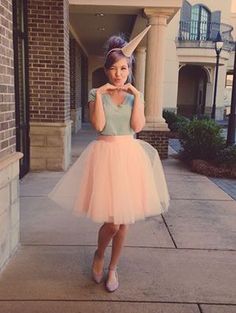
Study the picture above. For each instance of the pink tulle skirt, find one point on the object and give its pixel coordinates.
(116, 179)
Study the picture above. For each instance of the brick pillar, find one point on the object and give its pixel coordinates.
(84, 88)
(75, 85)
(9, 158)
(158, 139)
(49, 84)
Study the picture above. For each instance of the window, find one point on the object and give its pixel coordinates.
(200, 23)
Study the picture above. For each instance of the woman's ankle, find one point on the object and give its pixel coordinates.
(112, 267)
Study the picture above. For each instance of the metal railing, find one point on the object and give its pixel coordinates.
(203, 34)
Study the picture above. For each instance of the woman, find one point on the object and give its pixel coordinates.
(118, 179)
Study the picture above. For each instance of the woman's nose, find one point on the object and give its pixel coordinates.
(118, 72)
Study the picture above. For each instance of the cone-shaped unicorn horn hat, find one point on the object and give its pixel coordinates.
(129, 48)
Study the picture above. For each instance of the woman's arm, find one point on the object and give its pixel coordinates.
(96, 112)
(137, 120)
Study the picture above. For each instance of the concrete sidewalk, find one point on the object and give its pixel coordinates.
(183, 261)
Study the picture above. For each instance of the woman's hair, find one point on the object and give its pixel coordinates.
(114, 56)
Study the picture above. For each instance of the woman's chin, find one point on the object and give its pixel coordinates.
(118, 84)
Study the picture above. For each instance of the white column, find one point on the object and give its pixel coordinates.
(140, 62)
(155, 69)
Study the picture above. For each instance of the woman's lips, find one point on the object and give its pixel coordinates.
(118, 81)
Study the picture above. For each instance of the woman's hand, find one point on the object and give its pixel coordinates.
(130, 89)
(106, 88)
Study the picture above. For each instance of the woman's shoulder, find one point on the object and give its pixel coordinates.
(92, 94)
(93, 91)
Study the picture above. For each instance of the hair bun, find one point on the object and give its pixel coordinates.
(115, 42)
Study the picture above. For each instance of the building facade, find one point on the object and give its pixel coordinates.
(52, 54)
(190, 68)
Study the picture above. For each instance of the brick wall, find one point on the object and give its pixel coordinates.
(84, 90)
(75, 74)
(66, 60)
(49, 60)
(158, 139)
(7, 101)
(9, 158)
(78, 75)
(72, 73)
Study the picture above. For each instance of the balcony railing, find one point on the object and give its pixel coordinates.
(203, 34)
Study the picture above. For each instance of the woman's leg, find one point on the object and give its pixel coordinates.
(105, 234)
(117, 244)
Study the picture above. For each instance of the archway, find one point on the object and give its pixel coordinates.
(192, 90)
(98, 78)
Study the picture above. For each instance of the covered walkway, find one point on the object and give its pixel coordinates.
(181, 262)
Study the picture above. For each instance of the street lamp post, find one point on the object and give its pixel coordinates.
(218, 46)
(232, 115)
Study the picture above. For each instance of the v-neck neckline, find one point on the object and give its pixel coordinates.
(120, 104)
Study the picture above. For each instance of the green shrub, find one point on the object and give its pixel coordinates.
(202, 117)
(170, 117)
(181, 121)
(174, 121)
(201, 139)
(227, 156)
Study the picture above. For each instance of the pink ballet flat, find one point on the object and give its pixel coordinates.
(97, 277)
(112, 285)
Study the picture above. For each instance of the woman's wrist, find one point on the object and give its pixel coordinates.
(137, 94)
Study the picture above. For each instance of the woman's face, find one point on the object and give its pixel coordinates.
(118, 72)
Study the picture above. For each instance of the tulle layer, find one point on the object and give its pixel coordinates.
(116, 179)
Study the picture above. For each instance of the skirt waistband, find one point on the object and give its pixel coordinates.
(115, 138)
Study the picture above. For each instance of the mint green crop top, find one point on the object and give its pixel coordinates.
(117, 116)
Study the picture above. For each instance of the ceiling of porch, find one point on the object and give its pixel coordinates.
(93, 25)
(93, 21)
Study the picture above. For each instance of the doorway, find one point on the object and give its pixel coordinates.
(191, 91)
(21, 79)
